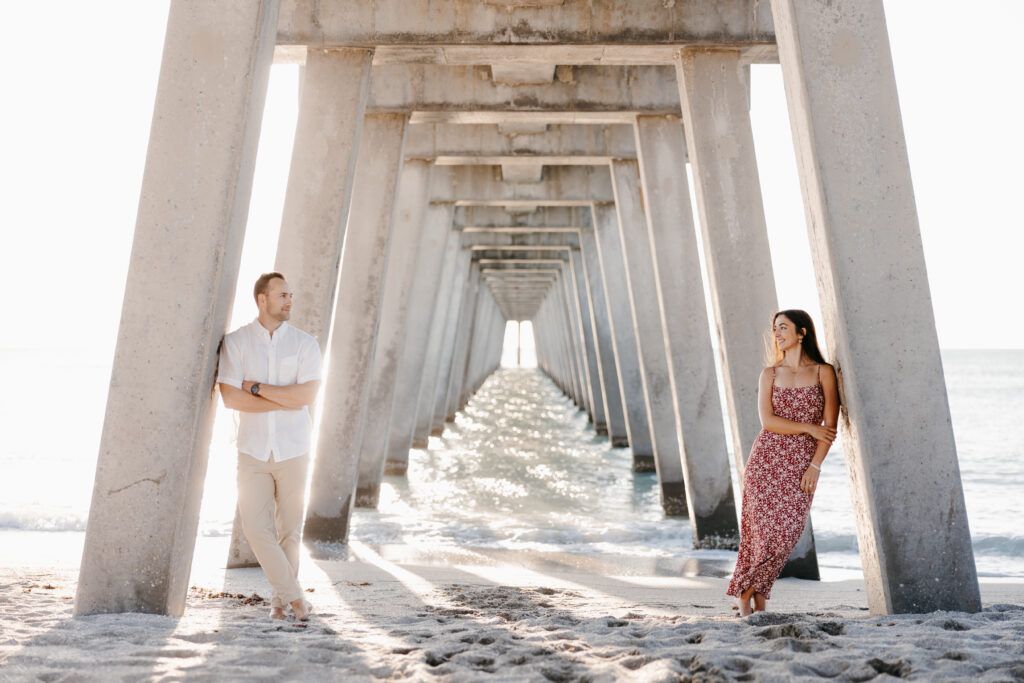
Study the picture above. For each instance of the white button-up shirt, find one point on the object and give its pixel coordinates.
(290, 356)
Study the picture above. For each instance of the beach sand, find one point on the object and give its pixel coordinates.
(415, 614)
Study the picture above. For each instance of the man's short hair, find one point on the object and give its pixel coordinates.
(263, 283)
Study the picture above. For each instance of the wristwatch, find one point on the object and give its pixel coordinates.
(255, 389)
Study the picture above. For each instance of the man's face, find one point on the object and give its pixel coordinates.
(277, 302)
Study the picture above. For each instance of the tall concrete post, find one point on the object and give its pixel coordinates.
(646, 325)
(429, 267)
(414, 189)
(460, 292)
(611, 395)
(356, 318)
(443, 301)
(470, 312)
(661, 152)
(578, 344)
(855, 176)
(195, 195)
(316, 204)
(716, 117)
(593, 371)
(627, 362)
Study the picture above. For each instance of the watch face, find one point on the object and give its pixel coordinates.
(255, 389)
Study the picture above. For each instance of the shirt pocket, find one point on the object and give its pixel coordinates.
(288, 370)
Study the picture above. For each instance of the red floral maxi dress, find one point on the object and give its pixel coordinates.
(774, 508)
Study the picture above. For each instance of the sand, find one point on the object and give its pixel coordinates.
(459, 615)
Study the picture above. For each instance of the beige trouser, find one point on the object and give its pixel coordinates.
(270, 498)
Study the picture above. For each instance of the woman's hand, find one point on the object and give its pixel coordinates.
(821, 432)
(809, 481)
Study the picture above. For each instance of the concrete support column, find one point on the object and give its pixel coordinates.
(459, 293)
(195, 194)
(467, 318)
(576, 335)
(422, 304)
(481, 342)
(661, 152)
(597, 414)
(565, 332)
(855, 176)
(356, 319)
(414, 190)
(627, 362)
(316, 204)
(716, 117)
(610, 394)
(646, 324)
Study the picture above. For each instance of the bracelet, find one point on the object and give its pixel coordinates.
(815, 466)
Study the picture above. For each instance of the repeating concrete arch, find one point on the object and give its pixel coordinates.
(468, 163)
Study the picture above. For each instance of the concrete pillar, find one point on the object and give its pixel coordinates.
(661, 152)
(468, 317)
(459, 294)
(195, 195)
(576, 335)
(316, 204)
(597, 413)
(855, 176)
(414, 189)
(646, 324)
(443, 301)
(565, 333)
(627, 362)
(611, 396)
(356, 318)
(721, 146)
(429, 266)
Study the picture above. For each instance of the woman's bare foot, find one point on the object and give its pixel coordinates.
(743, 602)
(301, 609)
(277, 613)
(759, 602)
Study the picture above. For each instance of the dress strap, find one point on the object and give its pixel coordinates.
(773, 375)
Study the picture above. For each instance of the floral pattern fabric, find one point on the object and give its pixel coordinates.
(774, 508)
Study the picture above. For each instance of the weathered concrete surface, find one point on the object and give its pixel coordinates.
(457, 304)
(450, 143)
(467, 316)
(316, 205)
(414, 187)
(911, 522)
(716, 117)
(429, 267)
(447, 294)
(493, 25)
(597, 412)
(561, 186)
(356, 319)
(627, 363)
(574, 332)
(680, 298)
(610, 394)
(646, 324)
(195, 194)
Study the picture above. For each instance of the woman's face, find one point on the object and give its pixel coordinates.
(786, 334)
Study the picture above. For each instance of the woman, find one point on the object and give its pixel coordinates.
(796, 393)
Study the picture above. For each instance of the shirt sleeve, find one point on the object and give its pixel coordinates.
(229, 369)
(309, 362)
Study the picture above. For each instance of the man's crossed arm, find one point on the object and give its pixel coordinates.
(271, 397)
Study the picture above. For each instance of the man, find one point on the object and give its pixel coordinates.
(270, 373)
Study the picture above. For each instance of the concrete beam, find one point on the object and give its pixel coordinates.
(452, 31)
(448, 143)
(565, 186)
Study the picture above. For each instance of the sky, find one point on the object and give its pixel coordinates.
(78, 100)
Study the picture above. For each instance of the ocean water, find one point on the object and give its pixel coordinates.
(520, 469)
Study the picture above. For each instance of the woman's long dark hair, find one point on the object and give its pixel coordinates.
(809, 343)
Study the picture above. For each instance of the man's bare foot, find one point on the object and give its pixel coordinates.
(743, 602)
(301, 609)
(277, 613)
(759, 602)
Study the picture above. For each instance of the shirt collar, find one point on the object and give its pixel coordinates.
(263, 332)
